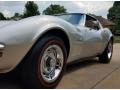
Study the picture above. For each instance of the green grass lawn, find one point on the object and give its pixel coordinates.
(116, 39)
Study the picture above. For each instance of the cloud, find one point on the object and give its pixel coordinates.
(11, 7)
(95, 7)
(7, 13)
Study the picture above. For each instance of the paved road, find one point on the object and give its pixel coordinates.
(87, 74)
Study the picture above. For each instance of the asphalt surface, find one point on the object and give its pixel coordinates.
(88, 74)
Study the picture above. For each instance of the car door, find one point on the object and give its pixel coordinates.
(92, 40)
(79, 36)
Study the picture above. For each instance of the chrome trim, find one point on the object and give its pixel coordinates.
(2, 46)
(110, 50)
(1, 49)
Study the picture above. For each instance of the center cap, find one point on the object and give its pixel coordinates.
(52, 63)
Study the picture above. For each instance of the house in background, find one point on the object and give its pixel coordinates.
(105, 22)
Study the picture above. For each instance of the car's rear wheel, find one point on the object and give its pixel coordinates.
(45, 66)
(106, 56)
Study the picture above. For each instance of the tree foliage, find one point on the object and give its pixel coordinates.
(31, 9)
(54, 9)
(16, 16)
(2, 16)
(114, 14)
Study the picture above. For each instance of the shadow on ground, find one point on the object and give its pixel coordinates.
(79, 65)
(11, 81)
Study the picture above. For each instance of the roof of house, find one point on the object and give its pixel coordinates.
(104, 21)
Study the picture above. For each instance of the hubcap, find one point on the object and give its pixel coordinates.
(52, 63)
(110, 48)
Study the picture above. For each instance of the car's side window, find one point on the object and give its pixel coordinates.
(92, 23)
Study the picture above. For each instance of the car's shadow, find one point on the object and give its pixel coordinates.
(79, 65)
(12, 81)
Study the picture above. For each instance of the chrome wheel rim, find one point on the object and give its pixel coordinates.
(110, 48)
(51, 63)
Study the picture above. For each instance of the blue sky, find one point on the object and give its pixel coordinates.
(8, 8)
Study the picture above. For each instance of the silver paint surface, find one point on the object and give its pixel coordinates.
(18, 38)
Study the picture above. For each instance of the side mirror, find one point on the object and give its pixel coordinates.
(96, 25)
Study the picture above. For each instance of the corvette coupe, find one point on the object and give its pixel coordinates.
(41, 46)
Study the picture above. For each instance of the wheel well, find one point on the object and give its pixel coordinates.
(59, 33)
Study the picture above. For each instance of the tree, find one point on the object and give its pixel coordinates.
(31, 9)
(16, 16)
(2, 16)
(114, 15)
(54, 9)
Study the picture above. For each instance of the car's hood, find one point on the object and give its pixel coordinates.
(30, 22)
(28, 28)
(5, 23)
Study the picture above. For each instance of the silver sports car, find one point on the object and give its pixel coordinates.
(41, 46)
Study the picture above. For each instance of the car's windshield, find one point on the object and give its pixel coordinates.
(72, 18)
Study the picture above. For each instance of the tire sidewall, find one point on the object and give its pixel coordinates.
(104, 57)
(31, 66)
(112, 50)
(42, 81)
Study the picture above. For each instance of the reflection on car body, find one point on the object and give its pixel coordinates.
(41, 46)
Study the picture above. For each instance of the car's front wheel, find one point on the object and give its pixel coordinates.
(106, 56)
(46, 63)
